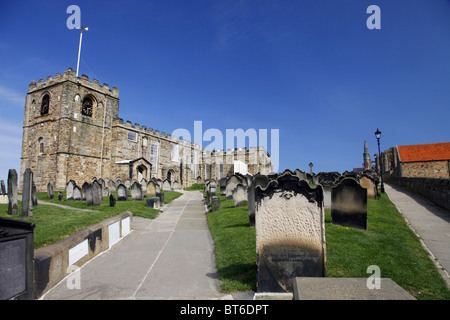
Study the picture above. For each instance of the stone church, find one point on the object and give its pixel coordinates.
(72, 131)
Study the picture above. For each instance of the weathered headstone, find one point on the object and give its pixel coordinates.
(111, 185)
(166, 185)
(240, 196)
(232, 182)
(69, 189)
(34, 199)
(368, 182)
(153, 203)
(102, 182)
(112, 200)
(27, 189)
(223, 186)
(94, 194)
(127, 183)
(3, 187)
(13, 207)
(215, 203)
(84, 189)
(151, 187)
(326, 186)
(16, 259)
(50, 192)
(77, 193)
(105, 192)
(349, 204)
(258, 180)
(136, 191)
(122, 194)
(161, 197)
(290, 233)
(144, 185)
(176, 185)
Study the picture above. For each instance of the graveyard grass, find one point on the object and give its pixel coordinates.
(388, 243)
(54, 223)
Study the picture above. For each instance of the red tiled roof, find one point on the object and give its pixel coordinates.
(425, 152)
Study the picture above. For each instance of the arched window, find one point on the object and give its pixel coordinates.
(41, 145)
(86, 108)
(45, 104)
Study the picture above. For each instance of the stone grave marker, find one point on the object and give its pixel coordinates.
(69, 189)
(13, 207)
(136, 191)
(176, 185)
(368, 182)
(27, 204)
(223, 186)
(3, 187)
(84, 188)
(50, 192)
(128, 183)
(166, 185)
(151, 187)
(258, 180)
(290, 233)
(122, 194)
(240, 196)
(161, 198)
(232, 182)
(153, 203)
(144, 184)
(60, 196)
(112, 200)
(77, 193)
(94, 194)
(349, 204)
(215, 203)
(111, 185)
(34, 199)
(16, 259)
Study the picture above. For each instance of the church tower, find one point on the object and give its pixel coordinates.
(366, 156)
(67, 129)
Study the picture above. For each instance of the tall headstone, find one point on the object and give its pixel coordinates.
(151, 187)
(122, 194)
(112, 200)
(290, 233)
(84, 189)
(223, 186)
(50, 192)
(69, 189)
(111, 185)
(94, 194)
(349, 204)
(27, 204)
(258, 180)
(3, 187)
(34, 199)
(13, 207)
(136, 191)
(144, 184)
(368, 182)
(77, 193)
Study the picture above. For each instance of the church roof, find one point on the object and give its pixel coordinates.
(424, 152)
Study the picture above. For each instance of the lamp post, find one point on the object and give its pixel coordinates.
(378, 136)
(79, 47)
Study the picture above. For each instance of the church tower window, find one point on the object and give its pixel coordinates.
(86, 108)
(45, 104)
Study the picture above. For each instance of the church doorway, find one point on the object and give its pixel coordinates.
(141, 172)
(171, 175)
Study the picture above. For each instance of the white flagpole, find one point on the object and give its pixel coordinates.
(79, 47)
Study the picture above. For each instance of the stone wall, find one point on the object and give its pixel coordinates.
(435, 190)
(426, 169)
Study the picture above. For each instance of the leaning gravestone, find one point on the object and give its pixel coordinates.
(50, 193)
(240, 196)
(136, 191)
(13, 207)
(258, 180)
(290, 233)
(16, 259)
(349, 204)
(122, 194)
(27, 204)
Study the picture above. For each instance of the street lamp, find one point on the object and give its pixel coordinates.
(378, 136)
(79, 47)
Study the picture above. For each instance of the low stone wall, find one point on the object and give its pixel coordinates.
(435, 190)
(53, 262)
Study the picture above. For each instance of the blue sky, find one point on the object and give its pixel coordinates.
(311, 69)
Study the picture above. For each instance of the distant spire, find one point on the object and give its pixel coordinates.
(366, 156)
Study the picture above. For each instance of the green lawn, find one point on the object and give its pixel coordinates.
(54, 223)
(387, 243)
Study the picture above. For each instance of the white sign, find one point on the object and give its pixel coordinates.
(78, 252)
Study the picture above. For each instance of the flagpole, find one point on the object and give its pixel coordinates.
(79, 47)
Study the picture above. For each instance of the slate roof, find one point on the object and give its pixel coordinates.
(424, 152)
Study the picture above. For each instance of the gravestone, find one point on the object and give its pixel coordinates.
(176, 185)
(153, 203)
(161, 197)
(112, 200)
(16, 259)
(327, 186)
(27, 204)
(151, 187)
(118, 181)
(84, 188)
(368, 182)
(69, 189)
(3, 188)
(128, 183)
(290, 233)
(349, 204)
(223, 186)
(215, 203)
(136, 191)
(144, 185)
(13, 207)
(102, 182)
(166, 185)
(34, 199)
(122, 194)
(111, 185)
(50, 192)
(94, 194)
(240, 196)
(77, 193)
(105, 192)
(60, 196)
(258, 180)
(232, 182)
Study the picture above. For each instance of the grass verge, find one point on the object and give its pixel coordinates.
(388, 243)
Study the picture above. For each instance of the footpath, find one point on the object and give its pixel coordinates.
(170, 257)
(430, 222)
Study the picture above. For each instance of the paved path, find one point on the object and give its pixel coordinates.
(170, 257)
(430, 222)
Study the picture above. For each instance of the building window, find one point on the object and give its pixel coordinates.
(154, 155)
(41, 146)
(132, 136)
(86, 108)
(45, 104)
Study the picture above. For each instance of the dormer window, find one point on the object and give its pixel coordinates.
(86, 108)
(45, 104)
